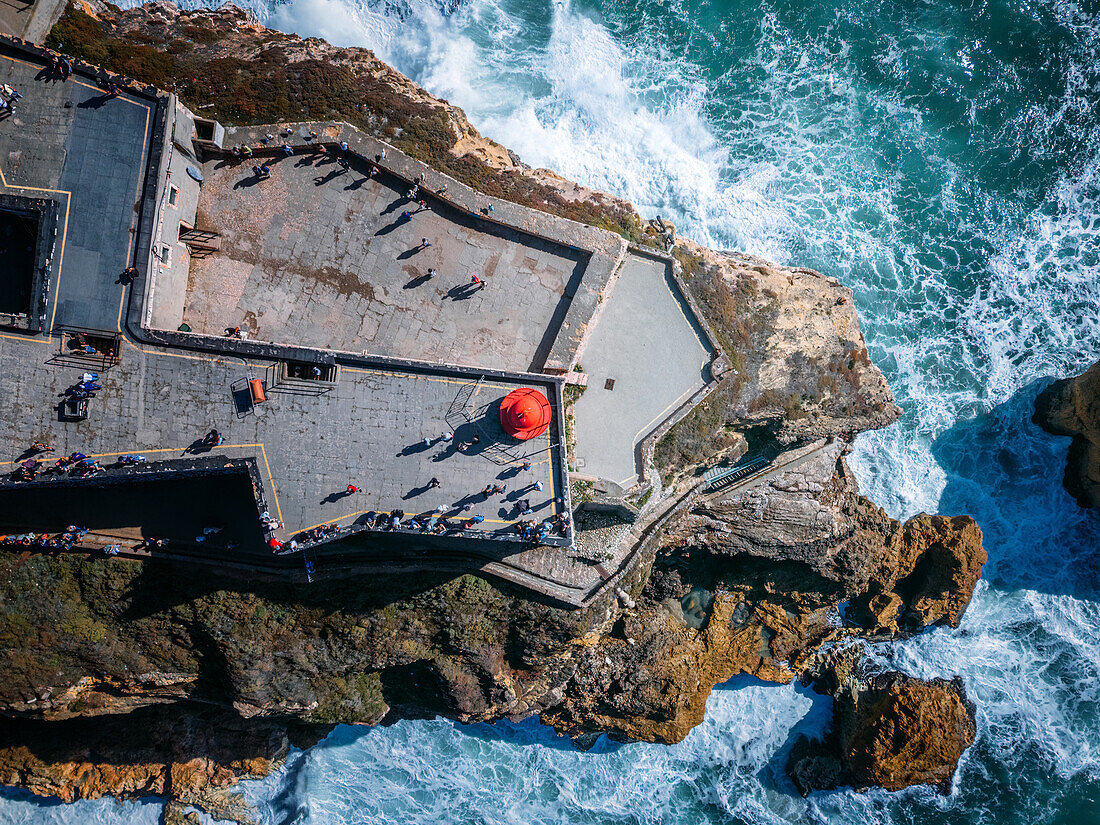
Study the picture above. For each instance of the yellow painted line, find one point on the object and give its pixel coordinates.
(27, 339)
(550, 461)
(156, 450)
(64, 236)
(77, 82)
(271, 480)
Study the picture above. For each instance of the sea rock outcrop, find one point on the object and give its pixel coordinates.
(799, 367)
(1072, 407)
(889, 730)
(775, 573)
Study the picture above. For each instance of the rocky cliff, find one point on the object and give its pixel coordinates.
(192, 681)
(1072, 407)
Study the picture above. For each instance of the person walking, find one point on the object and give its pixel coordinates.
(434, 482)
(351, 488)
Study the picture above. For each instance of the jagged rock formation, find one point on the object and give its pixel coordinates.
(193, 755)
(755, 583)
(800, 369)
(780, 565)
(889, 730)
(1072, 407)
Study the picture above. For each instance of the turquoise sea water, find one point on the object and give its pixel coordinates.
(941, 158)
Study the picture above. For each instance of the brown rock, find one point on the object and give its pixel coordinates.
(1072, 407)
(779, 563)
(192, 755)
(890, 730)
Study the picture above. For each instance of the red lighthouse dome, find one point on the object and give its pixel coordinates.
(525, 413)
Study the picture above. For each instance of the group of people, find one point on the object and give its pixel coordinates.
(75, 464)
(66, 541)
(536, 531)
(262, 171)
(86, 387)
(434, 522)
(62, 541)
(8, 97)
(60, 66)
(319, 533)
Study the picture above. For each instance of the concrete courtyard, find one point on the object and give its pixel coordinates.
(655, 356)
(368, 432)
(69, 142)
(320, 256)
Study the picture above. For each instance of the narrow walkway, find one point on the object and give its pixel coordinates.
(645, 358)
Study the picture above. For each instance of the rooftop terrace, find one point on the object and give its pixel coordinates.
(319, 255)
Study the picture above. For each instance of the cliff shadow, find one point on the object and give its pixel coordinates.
(151, 736)
(162, 585)
(1007, 472)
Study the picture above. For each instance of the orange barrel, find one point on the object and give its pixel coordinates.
(256, 387)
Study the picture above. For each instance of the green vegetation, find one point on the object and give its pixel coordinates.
(701, 433)
(348, 698)
(267, 87)
(582, 491)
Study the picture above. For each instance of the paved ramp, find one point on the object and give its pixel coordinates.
(647, 343)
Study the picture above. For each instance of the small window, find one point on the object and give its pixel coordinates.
(164, 254)
(173, 195)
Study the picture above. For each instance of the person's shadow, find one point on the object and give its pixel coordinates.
(388, 228)
(335, 173)
(417, 281)
(393, 205)
(97, 102)
(418, 491)
(413, 449)
(462, 292)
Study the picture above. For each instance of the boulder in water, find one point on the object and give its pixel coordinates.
(889, 730)
(1072, 407)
